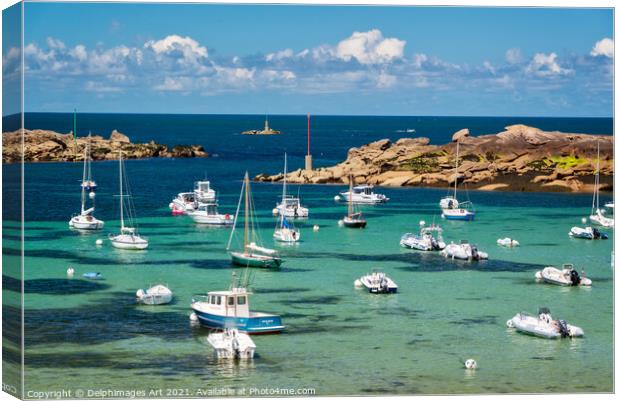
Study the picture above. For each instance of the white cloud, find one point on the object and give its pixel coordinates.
(170, 84)
(55, 43)
(79, 52)
(99, 87)
(545, 65)
(385, 80)
(489, 67)
(514, 56)
(175, 45)
(282, 54)
(604, 47)
(370, 48)
(419, 59)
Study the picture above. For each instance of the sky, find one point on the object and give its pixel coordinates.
(351, 60)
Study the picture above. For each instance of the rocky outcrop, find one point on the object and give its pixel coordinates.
(521, 158)
(48, 146)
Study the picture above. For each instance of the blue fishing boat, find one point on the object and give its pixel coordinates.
(231, 309)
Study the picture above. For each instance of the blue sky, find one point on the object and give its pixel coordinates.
(184, 58)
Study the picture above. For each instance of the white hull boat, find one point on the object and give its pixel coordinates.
(597, 215)
(208, 214)
(587, 233)
(362, 194)
(464, 251)
(128, 237)
(451, 208)
(231, 344)
(291, 207)
(85, 219)
(185, 202)
(425, 241)
(85, 222)
(568, 276)
(599, 218)
(156, 295)
(543, 325)
(508, 242)
(128, 241)
(377, 283)
(285, 231)
(286, 235)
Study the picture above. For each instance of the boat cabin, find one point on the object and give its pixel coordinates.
(202, 186)
(209, 208)
(363, 189)
(291, 202)
(187, 197)
(228, 303)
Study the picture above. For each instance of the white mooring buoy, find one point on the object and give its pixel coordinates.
(471, 364)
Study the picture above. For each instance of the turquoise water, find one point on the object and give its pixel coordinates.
(338, 340)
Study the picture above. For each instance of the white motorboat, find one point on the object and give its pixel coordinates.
(156, 295)
(377, 282)
(291, 207)
(609, 205)
(429, 239)
(597, 215)
(285, 231)
(567, 276)
(543, 325)
(587, 233)
(507, 242)
(231, 344)
(203, 192)
(451, 208)
(128, 237)
(185, 202)
(85, 219)
(464, 251)
(362, 194)
(206, 213)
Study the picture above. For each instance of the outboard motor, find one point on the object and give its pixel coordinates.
(574, 277)
(563, 328)
(474, 253)
(596, 233)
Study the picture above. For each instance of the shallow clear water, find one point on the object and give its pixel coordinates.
(339, 340)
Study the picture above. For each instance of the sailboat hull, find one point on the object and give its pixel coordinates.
(262, 324)
(251, 260)
(354, 223)
(83, 224)
(130, 242)
(459, 214)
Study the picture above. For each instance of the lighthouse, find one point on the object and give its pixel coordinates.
(308, 156)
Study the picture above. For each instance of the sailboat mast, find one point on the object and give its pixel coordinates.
(88, 174)
(597, 175)
(120, 185)
(246, 227)
(456, 169)
(83, 181)
(350, 195)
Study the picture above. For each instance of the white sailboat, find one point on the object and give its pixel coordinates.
(450, 206)
(597, 214)
(252, 254)
(128, 237)
(285, 231)
(85, 220)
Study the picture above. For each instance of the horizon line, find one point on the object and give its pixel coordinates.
(302, 115)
